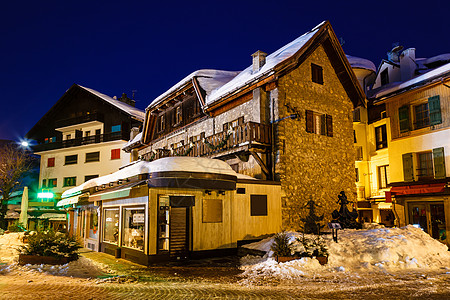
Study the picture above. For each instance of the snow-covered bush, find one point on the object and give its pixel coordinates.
(51, 243)
(281, 245)
(313, 247)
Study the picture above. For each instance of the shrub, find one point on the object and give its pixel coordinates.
(16, 227)
(51, 243)
(313, 247)
(281, 245)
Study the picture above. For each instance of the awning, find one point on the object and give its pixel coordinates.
(120, 191)
(71, 200)
(431, 188)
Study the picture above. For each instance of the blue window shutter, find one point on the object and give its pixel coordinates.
(408, 167)
(439, 163)
(403, 117)
(434, 106)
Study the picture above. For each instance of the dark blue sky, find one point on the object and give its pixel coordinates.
(120, 46)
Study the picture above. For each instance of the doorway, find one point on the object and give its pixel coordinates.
(430, 217)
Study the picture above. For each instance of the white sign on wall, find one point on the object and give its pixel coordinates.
(138, 218)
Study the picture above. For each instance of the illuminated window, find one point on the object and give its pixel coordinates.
(383, 176)
(70, 181)
(51, 162)
(133, 228)
(317, 73)
(111, 227)
(381, 137)
(115, 153)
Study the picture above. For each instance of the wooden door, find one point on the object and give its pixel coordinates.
(179, 243)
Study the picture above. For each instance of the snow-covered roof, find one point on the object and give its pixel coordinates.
(208, 79)
(135, 141)
(133, 111)
(361, 63)
(186, 164)
(416, 81)
(272, 61)
(445, 58)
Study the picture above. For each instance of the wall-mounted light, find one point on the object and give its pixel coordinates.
(111, 184)
(119, 181)
(221, 192)
(208, 192)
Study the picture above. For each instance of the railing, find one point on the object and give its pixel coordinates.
(93, 139)
(245, 134)
(79, 120)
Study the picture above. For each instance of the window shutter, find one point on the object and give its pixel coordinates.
(403, 117)
(329, 125)
(408, 168)
(439, 163)
(309, 121)
(434, 105)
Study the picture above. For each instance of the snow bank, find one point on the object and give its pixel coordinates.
(383, 249)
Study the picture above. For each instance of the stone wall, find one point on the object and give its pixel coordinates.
(314, 166)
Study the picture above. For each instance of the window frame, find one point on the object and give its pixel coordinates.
(381, 141)
(383, 174)
(50, 162)
(54, 182)
(258, 205)
(95, 158)
(71, 162)
(67, 181)
(115, 154)
(316, 73)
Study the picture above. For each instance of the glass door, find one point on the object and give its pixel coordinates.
(430, 217)
(437, 216)
(418, 215)
(163, 223)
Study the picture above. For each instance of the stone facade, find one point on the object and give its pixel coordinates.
(314, 166)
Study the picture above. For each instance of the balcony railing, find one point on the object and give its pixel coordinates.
(93, 139)
(250, 134)
(79, 120)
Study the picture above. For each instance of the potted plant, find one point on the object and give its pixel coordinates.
(282, 247)
(49, 247)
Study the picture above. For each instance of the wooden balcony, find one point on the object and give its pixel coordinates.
(243, 138)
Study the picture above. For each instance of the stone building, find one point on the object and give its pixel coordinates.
(287, 118)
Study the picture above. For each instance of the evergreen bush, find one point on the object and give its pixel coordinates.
(281, 245)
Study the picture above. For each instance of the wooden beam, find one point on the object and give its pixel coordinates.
(260, 163)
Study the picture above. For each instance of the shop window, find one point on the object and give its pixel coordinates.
(115, 153)
(51, 162)
(71, 159)
(319, 123)
(133, 228)
(93, 223)
(383, 176)
(317, 73)
(89, 177)
(380, 137)
(70, 181)
(212, 210)
(93, 156)
(258, 205)
(116, 128)
(163, 223)
(52, 183)
(111, 226)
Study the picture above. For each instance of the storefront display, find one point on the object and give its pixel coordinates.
(111, 226)
(133, 228)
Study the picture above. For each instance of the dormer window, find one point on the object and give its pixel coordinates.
(384, 76)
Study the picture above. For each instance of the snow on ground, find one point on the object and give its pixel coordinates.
(10, 242)
(383, 250)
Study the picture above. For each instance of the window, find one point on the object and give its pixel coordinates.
(383, 176)
(359, 153)
(70, 181)
(93, 222)
(92, 156)
(50, 162)
(212, 211)
(87, 133)
(317, 73)
(178, 115)
(380, 137)
(161, 123)
(115, 153)
(425, 165)
(133, 228)
(52, 183)
(357, 175)
(116, 128)
(98, 131)
(71, 159)
(68, 137)
(384, 76)
(111, 227)
(258, 205)
(89, 177)
(421, 116)
(44, 183)
(319, 123)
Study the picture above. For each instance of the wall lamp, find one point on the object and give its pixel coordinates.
(221, 192)
(208, 192)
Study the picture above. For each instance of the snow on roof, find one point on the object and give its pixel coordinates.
(187, 164)
(272, 60)
(134, 141)
(442, 57)
(133, 111)
(397, 86)
(361, 63)
(208, 79)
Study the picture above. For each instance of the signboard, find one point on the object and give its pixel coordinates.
(334, 226)
(138, 218)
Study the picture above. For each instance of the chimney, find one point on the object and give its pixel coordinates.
(127, 100)
(259, 59)
(134, 132)
(408, 64)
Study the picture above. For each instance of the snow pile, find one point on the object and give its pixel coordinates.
(382, 249)
(9, 243)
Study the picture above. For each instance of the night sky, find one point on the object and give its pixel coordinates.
(116, 47)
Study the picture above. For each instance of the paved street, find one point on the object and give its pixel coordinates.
(215, 279)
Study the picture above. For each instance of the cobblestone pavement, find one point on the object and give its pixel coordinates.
(215, 279)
